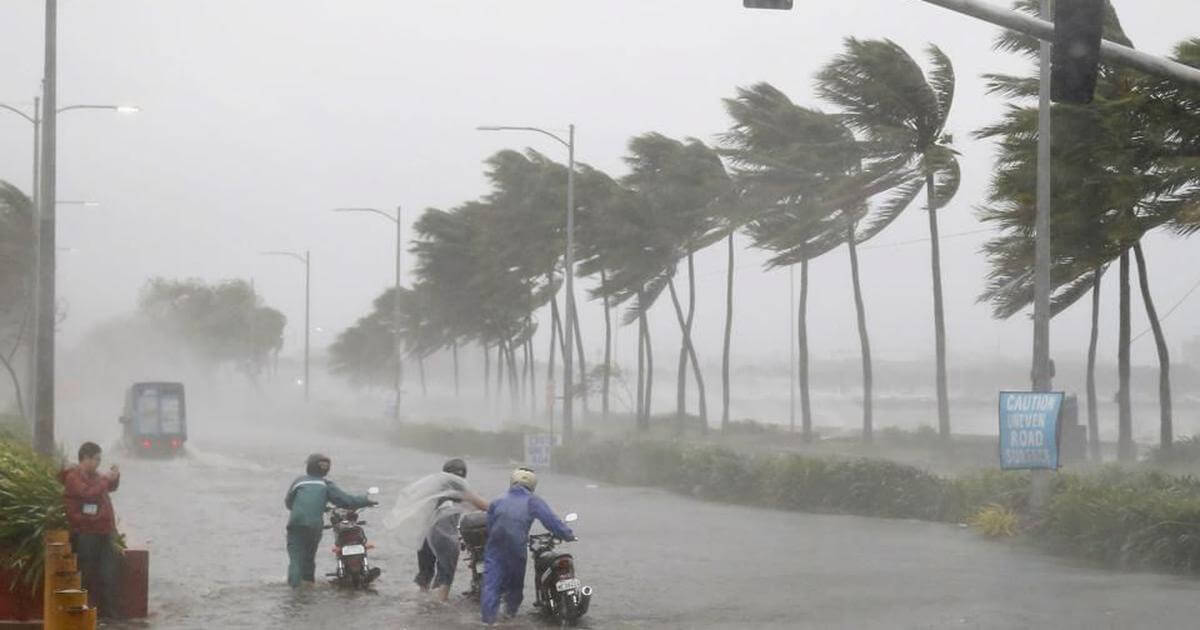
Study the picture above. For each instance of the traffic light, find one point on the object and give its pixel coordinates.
(1076, 51)
(786, 5)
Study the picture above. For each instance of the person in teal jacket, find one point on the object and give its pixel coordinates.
(306, 500)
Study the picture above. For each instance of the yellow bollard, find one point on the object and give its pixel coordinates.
(58, 558)
(58, 536)
(63, 601)
(78, 618)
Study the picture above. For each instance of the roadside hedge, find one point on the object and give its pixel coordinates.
(1114, 516)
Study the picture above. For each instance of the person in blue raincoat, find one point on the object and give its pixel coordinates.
(305, 500)
(509, 518)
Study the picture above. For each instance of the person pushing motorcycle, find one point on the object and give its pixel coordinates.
(306, 500)
(438, 556)
(509, 518)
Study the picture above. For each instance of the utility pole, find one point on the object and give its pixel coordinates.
(43, 429)
(398, 377)
(568, 385)
(307, 323)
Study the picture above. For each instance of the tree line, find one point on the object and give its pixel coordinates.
(800, 182)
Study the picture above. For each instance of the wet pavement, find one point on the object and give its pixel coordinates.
(214, 524)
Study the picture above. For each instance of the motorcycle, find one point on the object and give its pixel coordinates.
(560, 593)
(472, 536)
(350, 547)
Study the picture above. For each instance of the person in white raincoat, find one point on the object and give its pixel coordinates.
(426, 517)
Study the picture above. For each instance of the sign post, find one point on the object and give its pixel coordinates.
(1030, 433)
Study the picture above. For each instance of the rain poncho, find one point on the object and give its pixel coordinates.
(509, 520)
(423, 505)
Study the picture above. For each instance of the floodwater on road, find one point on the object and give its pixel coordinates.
(214, 523)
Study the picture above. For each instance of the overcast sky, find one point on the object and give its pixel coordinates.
(259, 116)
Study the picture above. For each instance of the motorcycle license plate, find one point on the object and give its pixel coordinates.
(354, 550)
(568, 585)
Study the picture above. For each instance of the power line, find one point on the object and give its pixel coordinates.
(1172, 310)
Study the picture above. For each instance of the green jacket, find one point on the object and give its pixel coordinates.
(308, 496)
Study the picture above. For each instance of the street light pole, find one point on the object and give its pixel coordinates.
(306, 259)
(568, 355)
(397, 338)
(43, 428)
(1041, 298)
(307, 323)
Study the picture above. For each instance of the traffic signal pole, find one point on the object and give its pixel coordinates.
(1043, 29)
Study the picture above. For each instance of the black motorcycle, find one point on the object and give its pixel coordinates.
(472, 535)
(560, 594)
(350, 547)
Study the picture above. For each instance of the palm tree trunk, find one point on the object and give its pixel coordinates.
(455, 352)
(514, 380)
(16, 383)
(421, 369)
(692, 347)
(1166, 424)
(532, 378)
(939, 315)
(1093, 410)
(583, 375)
(864, 339)
(647, 407)
(641, 375)
(555, 335)
(681, 383)
(1125, 417)
(499, 373)
(806, 424)
(687, 340)
(607, 347)
(728, 337)
(487, 375)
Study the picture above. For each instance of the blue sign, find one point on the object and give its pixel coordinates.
(1029, 432)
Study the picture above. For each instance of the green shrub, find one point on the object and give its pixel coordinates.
(1125, 519)
(1115, 516)
(30, 504)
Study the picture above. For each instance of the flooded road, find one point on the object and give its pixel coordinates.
(214, 524)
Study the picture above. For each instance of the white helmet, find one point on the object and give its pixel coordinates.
(524, 477)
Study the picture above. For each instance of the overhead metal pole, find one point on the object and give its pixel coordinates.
(43, 428)
(568, 355)
(1043, 28)
(306, 259)
(1041, 278)
(568, 352)
(397, 340)
(307, 323)
(397, 337)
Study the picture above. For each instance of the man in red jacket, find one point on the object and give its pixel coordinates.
(93, 526)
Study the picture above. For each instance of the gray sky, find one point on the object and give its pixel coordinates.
(260, 116)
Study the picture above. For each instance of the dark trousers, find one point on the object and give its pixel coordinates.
(98, 567)
(302, 543)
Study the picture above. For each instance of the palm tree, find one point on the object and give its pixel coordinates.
(16, 273)
(902, 114)
(680, 184)
(1122, 167)
(808, 182)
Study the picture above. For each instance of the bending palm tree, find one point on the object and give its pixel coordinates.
(902, 115)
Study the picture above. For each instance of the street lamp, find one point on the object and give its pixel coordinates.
(396, 338)
(41, 359)
(35, 119)
(569, 143)
(306, 258)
